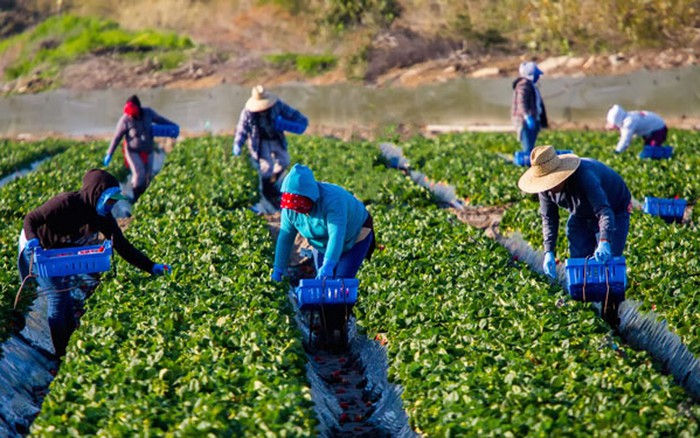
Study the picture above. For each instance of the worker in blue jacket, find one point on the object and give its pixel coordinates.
(333, 221)
(596, 197)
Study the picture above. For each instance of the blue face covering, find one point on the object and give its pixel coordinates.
(104, 207)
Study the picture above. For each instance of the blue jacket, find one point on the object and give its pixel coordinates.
(333, 224)
(593, 191)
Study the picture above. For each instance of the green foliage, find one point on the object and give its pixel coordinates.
(340, 15)
(62, 39)
(309, 65)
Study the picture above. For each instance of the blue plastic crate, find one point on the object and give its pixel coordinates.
(656, 152)
(74, 260)
(523, 158)
(670, 210)
(165, 130)
(312, 293)
(596, 277)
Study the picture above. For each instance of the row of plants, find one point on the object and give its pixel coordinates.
(17, 155)
(661, 261)
(211, 349)
(475, 338)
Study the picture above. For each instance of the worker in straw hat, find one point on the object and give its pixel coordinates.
(597, 198)
(264, 120)
(650, 126)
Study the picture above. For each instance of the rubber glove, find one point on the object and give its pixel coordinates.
(277, 274)
(530, 122)
(160, 269)
(236, 150)
(603, 252)
(107, 160)
(32, 244)
(550, 264)
(327, 269)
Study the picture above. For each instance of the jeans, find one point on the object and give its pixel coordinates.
(351, 260)
(656, 138)
(60, 303)
(583, 235)
(528, 137)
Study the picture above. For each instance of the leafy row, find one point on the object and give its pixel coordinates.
(212, 348)
(476, 339)
(17, 155)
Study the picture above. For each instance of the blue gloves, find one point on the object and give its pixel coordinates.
(277, 274)
(160, 269)
(107, 160)
(550, 264)
(603, 252)
(327, 269)
(236, 150)
(530, 122)
(32, 244)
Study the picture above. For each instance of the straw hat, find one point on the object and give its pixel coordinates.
(260, 99)
(547, 169)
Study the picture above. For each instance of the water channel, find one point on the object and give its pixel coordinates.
(674, 94)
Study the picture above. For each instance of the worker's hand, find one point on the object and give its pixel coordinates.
(107, 160)
(550, 264)
(236, 150)
(603, 252)
(160, 269)
(327, 269)
(277, 274)
(530, 122)
(32, 245)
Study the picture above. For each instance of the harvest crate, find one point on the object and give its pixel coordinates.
(523, 158)
(75, 260)
(595, 278)
(165, 130)
(313, 293)
(670, 210)
(656, 152)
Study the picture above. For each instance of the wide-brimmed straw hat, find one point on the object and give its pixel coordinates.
(260, 99)
(547, 169)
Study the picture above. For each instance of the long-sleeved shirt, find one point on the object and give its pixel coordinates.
(261, 126)
(593, 191)
(138, 132)
(70, 216)
(332, 226)
(641, 123)
(527, 101)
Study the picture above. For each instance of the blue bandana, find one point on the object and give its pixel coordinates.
(112, 193)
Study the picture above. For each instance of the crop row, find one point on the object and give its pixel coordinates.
(476, 339)
(210, 349)
(661, 258)
(18, 155)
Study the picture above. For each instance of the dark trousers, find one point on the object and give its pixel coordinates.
(60, 304)
(583, 235)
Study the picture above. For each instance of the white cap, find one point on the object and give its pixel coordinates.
(616, 115)
(529, 70)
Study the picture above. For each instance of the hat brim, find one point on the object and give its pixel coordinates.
(257, 105)
(531, 183)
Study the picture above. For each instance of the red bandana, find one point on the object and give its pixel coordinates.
(130, 109)
(300, 204)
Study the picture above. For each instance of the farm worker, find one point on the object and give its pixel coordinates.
(527, 110)
(334, 222)
(264, 119)
(645, 124)
(73, 219)
(135, 127)
(597, 198)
